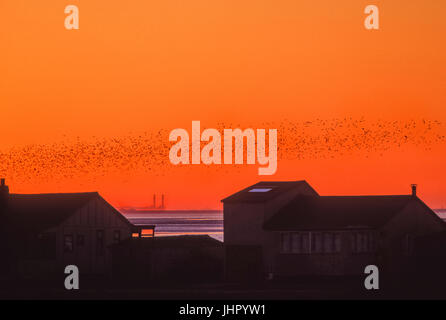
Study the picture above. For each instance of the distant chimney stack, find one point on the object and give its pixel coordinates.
(4, 193)
(154, 200)
(414, 190)
(162, 201)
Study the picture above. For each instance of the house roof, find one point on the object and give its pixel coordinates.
(277, 188)
(42, 211)
(336, 212)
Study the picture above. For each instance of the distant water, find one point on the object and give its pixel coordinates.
(180, 222)
(189, 222)
(441, 213)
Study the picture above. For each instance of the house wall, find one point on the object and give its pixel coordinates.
(413, 221)
(243, 226)
(345, 262)
(243, 234)
(95, 215)
(243, 222)
(184, 264)
(146, 260)
(390, 254)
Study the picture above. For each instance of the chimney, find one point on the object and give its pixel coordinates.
(162, 201)
(414, 190)
(154, 200)
(4, 193)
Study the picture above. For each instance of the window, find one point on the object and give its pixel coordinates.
(337, 242)
(99, 242)
(117, 236)
(316, 243)
(135, 235)
(68, 243)
(363, 242)
(359, 242)
(372, 242)
(306, 242)
(80, 240)
(328, 242)
(353, 242)
(296, 243)
(300, 242)
(310, 242)
(146, 233)
(260, 190)
(285, 242)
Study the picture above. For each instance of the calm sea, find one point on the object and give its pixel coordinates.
(180, 222)
(441, 213)
(189, 222)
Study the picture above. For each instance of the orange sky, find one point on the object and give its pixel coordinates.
(91, 109)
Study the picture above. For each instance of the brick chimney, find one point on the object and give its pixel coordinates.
(4, 193)
(414, 190)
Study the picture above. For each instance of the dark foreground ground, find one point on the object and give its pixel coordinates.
(301, 289)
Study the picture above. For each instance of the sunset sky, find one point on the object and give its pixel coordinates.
(357, 111)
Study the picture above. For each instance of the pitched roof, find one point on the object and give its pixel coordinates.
(41, 211)
(336, 212)
(277, 187)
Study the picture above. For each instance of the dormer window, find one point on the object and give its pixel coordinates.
(260, 189)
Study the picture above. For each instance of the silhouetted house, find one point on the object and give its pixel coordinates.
(46, 232)
(168, 259)
(430, 254)
(285, 229)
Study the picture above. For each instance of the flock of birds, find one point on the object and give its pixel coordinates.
(149, 151)
(339, 137)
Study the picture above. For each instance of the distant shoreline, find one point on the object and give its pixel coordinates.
(143, 211)
(133, 211)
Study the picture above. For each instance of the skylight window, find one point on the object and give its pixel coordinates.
(260, 190)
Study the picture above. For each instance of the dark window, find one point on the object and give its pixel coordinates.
(310, 242)
(68, 243)
(353, 242)
(316, 243)
(337, 242)
(100, 242)
(300, 242)
(328, 242)
(306, 242)
(80, 240)
(296, 242)
(363, 242)
(117, 236)
(285, 242)
(372, 242)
